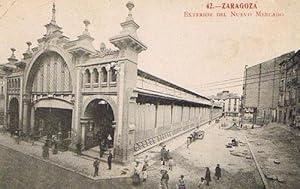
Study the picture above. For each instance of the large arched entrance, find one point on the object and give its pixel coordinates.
(13, 115)
(101, 124)
(49, 85)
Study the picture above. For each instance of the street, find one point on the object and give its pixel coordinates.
(237, 165)
(238, 168)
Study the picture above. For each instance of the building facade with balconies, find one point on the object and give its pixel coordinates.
(261, 89)
(231, 103)
(289, 101)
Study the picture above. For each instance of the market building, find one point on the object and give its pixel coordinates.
(81, 94)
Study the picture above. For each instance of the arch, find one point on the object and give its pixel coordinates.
(53, 103)
(51, 48)
(99, 124)
(87, 76)
(113, 74)
(107, 98)
(95, 76)
(103, 75)
(13, 114)
(46, 65)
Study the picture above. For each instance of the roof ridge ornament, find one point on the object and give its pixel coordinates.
(86, 22)
(53, 20)
(12, 58)
(130, 6)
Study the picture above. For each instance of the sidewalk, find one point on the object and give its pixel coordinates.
(84, 164)
(67, 160)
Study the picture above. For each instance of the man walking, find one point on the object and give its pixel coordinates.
(109, 160)
(96, 167)
(164, 180)
(207, 176)
(218, 171)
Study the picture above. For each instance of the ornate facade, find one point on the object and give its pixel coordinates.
(70, 89)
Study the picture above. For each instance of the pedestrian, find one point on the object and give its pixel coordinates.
(136, 174)
(96, 167)
(167, 155)
(181, 183)
(17, 136)
(189, 140)
(102, 146)
(207, 176)
(109, 141)
(146, 160)
(164, 180)
(144, 173)
(54, 149)
(163, 167)
(78, 148)
(201, 184)
(171, 163)
(218, 171)
(109, 160)
(162, 152)
(46, 151)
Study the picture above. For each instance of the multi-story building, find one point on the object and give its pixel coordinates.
(261, 88)
(230, 103)
(289, 91)
(81, 94)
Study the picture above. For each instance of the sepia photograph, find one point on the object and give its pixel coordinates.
(160, 94)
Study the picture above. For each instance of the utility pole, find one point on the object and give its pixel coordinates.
(243, 99)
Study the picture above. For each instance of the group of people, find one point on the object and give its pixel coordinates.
(193, 136)
(167, 165)
(48, 144)
(207, 177)
(140, 173)
(204, 181)
(105, 142)
(97, 163)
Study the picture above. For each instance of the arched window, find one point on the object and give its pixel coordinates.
(103, 75)
(113, 75)
(95, 76)
(87, 76)
(19, 83)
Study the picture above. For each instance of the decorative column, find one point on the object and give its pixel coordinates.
(129, 47)
(26, 114)
(32, 119)
(83, 124)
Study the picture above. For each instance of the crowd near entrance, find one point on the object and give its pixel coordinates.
(53, 122)
(101, 125)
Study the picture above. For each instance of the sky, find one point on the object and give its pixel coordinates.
(187, 51)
